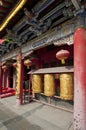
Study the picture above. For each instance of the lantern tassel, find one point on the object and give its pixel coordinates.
(28, 67)
(63, 61)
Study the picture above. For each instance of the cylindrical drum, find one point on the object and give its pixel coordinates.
(49, 85)
(66, 86)
(37, 83)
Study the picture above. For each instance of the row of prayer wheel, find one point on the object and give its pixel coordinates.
(66, 85)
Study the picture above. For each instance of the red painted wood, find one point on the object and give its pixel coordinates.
(8, 90)
(21, 82)
(4, 8)
(7, 95)
(21, 79)
(0, 79)
(8, 77)
(45, 56)
(2, 13)
(8, 2)
(4, 74)
(80, 79)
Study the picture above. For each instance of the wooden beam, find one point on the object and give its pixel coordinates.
(3, 8)
(2, 12)
(13, 12)
(8, 2)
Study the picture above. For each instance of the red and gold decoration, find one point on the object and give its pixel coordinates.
(0, 78)
(66, 86)
(19, 79)
(62, 55)
(4, 67)
(27, 63)
(37, 83)
(49, 85)
(19, 59)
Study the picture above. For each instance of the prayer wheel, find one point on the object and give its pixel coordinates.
(66, 86)
(37, 83)
(49, 85)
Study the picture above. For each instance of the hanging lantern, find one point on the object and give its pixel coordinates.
(62, 55)
(28, 63)
(4, 67)
(15, 65)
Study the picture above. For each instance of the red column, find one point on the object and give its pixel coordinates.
(22, 81)
(0, 78)
(5, 79)
(8, 75)
(80, 79)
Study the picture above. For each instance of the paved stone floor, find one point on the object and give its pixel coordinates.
(33, 116)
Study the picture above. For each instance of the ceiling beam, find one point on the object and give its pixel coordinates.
(2, 13)
(8, 2)
(76, 4)
(14, 11)
(4, 8)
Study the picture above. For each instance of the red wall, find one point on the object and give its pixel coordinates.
(48, 55)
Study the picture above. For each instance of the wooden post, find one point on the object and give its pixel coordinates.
(80, 79)
(0, 78)
(19, 82)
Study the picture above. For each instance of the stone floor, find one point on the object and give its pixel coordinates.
(33, 116)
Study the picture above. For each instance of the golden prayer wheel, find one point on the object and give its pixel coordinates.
(37, 83)
(49, 85)
(66, 86)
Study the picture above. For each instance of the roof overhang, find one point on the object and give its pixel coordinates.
(64, 69)
(67, 40)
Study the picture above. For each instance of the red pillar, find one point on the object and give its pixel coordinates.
(80, 79)
(8, 75)
(22, 81)
(0, 79)
(5, 79)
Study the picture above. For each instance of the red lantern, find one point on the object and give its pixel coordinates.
(4, 67)
(15, 64)
(62, 55)
(27, 62)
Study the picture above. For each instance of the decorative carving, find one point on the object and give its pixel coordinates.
(36, 26)
(14, 37)
(11, 34)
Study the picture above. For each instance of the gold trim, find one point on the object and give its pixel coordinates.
(12, 13)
